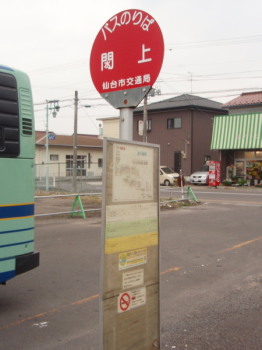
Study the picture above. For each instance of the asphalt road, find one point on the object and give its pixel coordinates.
(211, 282)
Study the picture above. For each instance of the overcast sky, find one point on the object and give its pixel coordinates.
(213, 49)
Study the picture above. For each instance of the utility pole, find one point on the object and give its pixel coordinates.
(75, 143)
(46, 151)
(145, 120)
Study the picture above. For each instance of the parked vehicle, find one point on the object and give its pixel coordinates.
(167, 176)
(200, 176)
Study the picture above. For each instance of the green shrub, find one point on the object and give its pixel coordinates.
(227, 183)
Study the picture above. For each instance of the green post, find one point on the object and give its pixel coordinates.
(78, 203)
(190, 193)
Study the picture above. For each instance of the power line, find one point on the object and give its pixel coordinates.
(217, 42)
(58, 67)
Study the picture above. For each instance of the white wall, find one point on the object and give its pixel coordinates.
(58, 168)
(111, 128)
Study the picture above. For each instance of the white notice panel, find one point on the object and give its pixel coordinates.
(131, 180)
(130, 251)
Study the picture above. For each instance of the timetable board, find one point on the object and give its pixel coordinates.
(130, 246)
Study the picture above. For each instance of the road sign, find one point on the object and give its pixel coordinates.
(51, 136)
(126, 57)
(140, 127)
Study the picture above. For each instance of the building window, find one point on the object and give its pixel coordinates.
(174, 123)
(69, 165)
(54, 157)
(100, 162)
(80, 164)
(149, 124)
(89, 160)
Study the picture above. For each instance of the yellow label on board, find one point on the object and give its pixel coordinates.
(125, 243)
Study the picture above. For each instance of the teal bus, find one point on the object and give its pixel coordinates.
(17, 149)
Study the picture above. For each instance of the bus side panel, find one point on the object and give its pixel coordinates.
(26, 115)
(7, 270)
(16, 181)
(27, 137)
(16, 217)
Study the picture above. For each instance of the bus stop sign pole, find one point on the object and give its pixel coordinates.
(125, 60)
(126, 124)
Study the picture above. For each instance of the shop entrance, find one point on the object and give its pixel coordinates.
(249, 167)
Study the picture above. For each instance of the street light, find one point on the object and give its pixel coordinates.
(54, 107)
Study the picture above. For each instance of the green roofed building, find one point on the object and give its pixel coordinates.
(238, 137)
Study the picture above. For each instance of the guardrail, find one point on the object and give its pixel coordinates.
(77, 202)
(185, 193)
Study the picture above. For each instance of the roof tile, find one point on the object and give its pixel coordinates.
(68, 140)
(183, 101)
(246, 98)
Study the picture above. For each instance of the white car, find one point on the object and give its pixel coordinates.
(167, 176)
(200, 176)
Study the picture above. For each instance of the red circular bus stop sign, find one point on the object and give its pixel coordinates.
(126, 57)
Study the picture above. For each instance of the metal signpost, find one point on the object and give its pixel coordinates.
(125, 61)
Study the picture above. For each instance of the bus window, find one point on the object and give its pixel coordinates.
(9, 116)
(17, 253)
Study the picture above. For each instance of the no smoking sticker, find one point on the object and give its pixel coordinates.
(124, 302)
(131, 299)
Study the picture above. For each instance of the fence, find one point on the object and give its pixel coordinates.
(59, 177)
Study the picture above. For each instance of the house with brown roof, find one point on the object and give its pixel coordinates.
(182, 126)
(238, 137)
(247, 102)
(60, 155)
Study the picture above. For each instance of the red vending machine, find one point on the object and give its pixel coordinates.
(214, 177)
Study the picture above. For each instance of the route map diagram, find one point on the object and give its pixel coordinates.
(131, 180)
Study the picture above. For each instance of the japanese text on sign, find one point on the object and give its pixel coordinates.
(122, 83)
(137, 18)
(107, 58)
